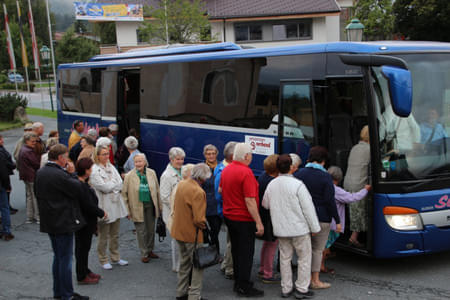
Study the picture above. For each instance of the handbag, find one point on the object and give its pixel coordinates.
(206, 256)
(161, 229)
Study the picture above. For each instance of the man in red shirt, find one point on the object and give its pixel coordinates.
(241, 213)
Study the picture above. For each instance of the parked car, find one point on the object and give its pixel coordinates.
(15, 77)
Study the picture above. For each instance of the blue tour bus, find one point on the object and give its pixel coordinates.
(283, 100)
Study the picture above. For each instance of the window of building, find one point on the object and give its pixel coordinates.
(248, 32)
(295, 30)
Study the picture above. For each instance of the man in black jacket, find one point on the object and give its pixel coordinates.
(57, 194)
(5, 188)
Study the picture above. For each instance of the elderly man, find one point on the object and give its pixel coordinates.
(227, 263)
(241, 213)
(188, 220)
(38, 129)
(58, 195)
(77, 133)
(293, 219)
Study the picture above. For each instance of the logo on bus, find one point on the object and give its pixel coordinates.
(443, 202)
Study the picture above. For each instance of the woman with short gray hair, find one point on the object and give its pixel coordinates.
(189, 218)
(132, 146)
(241, 151)
(169, 179)
(296, 161)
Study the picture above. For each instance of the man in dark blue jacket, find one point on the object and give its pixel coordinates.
(5, 188)
(57, 194)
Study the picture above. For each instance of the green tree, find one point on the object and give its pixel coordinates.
(426, 20)
(186, 21)
(73, 48)
(106, 31)
(377, 17)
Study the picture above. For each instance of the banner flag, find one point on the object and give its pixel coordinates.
(37, 62)
(9, 45)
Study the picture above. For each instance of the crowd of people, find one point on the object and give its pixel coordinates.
(87, 187)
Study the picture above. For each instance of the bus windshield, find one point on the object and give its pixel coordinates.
(416, 147)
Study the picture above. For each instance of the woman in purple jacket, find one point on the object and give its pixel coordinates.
(342, 197)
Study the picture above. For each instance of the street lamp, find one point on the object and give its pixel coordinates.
(354, 31)
(45, 53)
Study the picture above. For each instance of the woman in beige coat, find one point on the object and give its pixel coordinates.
(140, 193)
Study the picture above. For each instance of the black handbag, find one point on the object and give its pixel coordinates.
(161, 229)
(205, 256)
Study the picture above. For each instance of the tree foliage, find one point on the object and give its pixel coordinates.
(106, 31)
(377, 17)
(73, 48)
(426, 20)
(186, 21)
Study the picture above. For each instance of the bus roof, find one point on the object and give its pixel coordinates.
(168, 50)
(380, 47)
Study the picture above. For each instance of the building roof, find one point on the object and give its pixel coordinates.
(225, 9)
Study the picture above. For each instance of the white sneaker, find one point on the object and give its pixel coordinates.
(121, 262)
(107, 266)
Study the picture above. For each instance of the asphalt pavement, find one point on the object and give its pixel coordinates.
(25, 266)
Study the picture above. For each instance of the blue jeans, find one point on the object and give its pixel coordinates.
(4, 210)
(62, 245)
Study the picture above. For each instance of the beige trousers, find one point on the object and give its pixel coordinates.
(32, 206)
(108, 234)
(227, 263)
(184, 287)
(145, 231)
(318, 242)
(302, 246)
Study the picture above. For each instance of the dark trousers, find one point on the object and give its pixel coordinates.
(242, 237)
(215, 222)
(62, 245)
(83, 239)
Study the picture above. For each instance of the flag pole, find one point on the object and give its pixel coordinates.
(37, 62)
(22, 44)
(12, 59)
(51, 42)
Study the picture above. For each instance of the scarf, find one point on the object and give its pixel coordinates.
(316, 166)
(144, 192)
(211, 165)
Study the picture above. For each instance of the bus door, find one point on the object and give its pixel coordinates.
(109, 98)
(128, 102)
(296, 130)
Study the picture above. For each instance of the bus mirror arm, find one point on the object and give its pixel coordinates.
(372, 60)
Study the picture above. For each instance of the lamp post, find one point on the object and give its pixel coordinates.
(45, 53)
(354, 31)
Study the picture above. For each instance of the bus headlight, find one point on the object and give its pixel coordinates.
(402, 218)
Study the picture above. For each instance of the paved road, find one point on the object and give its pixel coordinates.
(25, 267)
(40, 98)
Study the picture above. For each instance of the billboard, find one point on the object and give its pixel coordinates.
(108, 12)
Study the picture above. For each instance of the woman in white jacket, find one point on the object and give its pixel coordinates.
(169, 179)
(107, 184)
(293, 219)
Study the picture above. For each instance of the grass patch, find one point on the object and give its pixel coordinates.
(43, 84)
(9, 125)
(33, 111)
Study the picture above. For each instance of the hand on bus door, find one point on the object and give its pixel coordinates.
(338, 228)
(368, 187)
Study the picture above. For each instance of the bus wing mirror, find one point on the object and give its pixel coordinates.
(400, 89)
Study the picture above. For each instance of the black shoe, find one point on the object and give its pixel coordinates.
(229, 276)
(77, 296)
(251, 292)
(185, 297)
(300, 295)
(286, 295)
(56, 297)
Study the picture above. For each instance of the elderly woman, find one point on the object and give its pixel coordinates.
(107, 184)
(296, 161)
(186, 172)
(141, 196)
(169, 179)
(88, 149)
(210, 153)
(27, 164)
(50, 143)
(320, 186)
(356, 178)
(270, 243)
(342, 197)
(188, 219)
(132, 146)
(90, 211)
